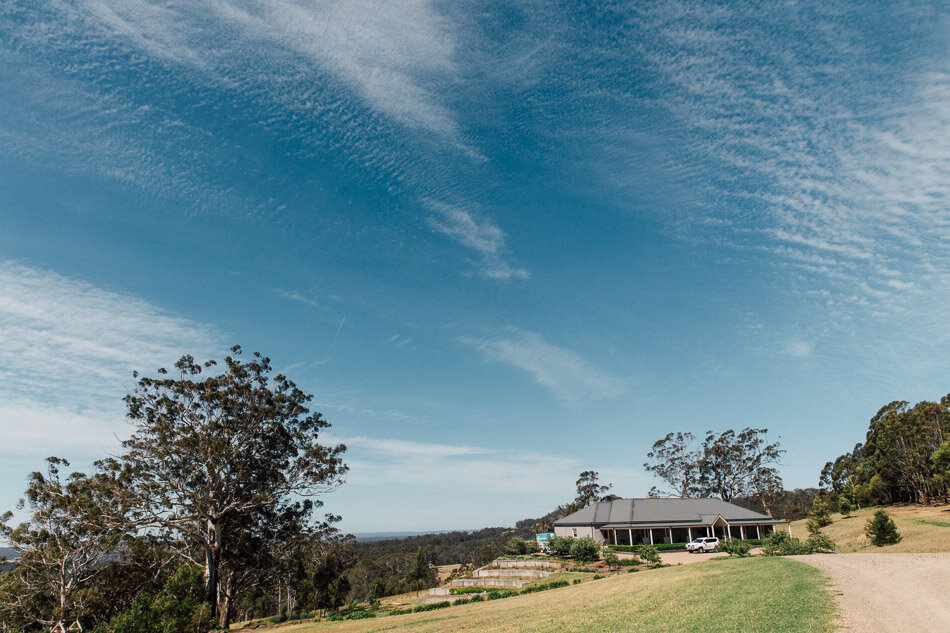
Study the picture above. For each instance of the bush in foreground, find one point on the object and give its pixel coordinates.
(818, 516)
(561, 545)
(882, 530)
(648, 554)
(845, 506)
(781, 544)
(518, 547)
(585, 550)
(734, 547)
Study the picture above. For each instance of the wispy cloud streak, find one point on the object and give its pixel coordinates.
(810, 143)
(367, 84)
(568, 375)
(386, 461)
(478, 233)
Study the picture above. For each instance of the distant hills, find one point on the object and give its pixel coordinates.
(9, 554)
(367, 537)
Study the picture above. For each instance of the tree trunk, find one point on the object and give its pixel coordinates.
(212, 565)
(224, 604)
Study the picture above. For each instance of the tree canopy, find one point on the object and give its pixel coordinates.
(675, 461)
(222, 464)
(727, 465)
(589, 488)
(905, 457)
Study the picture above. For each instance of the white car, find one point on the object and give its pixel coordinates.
(702, 544)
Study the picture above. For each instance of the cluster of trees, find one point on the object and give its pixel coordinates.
(905, 457)
(219, 475)
(728, 465)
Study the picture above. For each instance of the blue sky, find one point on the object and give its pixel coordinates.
(500, 243)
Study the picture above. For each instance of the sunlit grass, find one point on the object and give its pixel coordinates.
(738, 595)
(923, 528)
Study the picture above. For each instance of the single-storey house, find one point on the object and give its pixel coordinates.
(652, 521)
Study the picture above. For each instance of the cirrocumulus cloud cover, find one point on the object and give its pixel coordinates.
(500, 243)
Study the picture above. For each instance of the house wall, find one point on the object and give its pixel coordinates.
(579, 531)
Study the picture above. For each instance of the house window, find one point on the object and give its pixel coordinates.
(574, 530)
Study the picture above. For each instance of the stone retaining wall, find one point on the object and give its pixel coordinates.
(512, 573)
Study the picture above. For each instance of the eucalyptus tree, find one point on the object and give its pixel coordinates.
(589, 489)
(739, 464)
(218, 459)
(727, 465)
(63, 546)
(676, 462)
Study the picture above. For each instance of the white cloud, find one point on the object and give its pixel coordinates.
(372, 80)
(565, 373)
(68, 356)
(293, 295)
(799, 349)
(390, 462)
(478, 233)
(388, 53)
(805, 139)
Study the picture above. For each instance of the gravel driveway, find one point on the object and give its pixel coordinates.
(899, 593)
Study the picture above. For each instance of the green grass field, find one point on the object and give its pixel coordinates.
(768, 595)
(924, 528)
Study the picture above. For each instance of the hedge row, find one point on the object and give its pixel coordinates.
(492, 593)
(352, 615)
(667, 547)
(660, 547)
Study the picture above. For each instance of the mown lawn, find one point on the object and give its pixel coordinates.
(749, 595)
(924, 528)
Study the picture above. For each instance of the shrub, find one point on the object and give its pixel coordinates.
(818, 516)
(882, 530)
(648, 553)
(781, 544)
(612, 560)
(598, 576)
(359, 614)
(845, 505)
(585, 550)
(577, 581)
(819, 544)
(660, 547)
(554, 584)
(516, 546)
(734, 547)
(177, 608)
(397, 612)
(561, 545)
(431, 607)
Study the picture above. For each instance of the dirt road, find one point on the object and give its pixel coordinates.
(899, 593)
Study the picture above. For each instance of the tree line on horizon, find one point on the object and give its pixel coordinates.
(905, 457)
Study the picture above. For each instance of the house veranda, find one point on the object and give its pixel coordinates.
(653, 521)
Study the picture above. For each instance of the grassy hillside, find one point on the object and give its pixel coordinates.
(924, 528)
(749, 595)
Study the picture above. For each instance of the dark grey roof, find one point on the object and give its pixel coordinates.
(661, 511)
